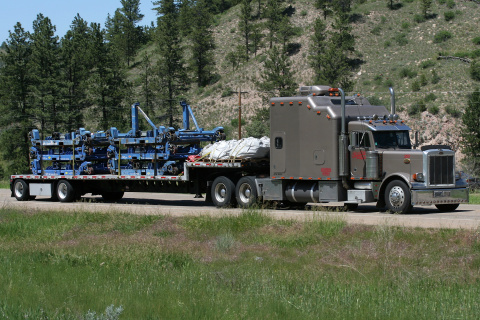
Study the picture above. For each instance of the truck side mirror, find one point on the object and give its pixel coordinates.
(415, 144)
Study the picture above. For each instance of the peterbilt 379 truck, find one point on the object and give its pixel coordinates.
(324, 147)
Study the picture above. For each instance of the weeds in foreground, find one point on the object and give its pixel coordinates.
(244, 266)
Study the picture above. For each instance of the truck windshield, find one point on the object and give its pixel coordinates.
(392, 139)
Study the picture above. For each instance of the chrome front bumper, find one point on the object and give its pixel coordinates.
(439, 196)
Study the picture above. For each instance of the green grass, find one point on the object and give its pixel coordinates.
(474, 198)
(61, 265)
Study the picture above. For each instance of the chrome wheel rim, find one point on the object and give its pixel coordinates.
(19, 189)
(220, 192)
(396, 196)
(245, 193)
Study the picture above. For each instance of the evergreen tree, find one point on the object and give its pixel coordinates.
(45, 68)
(202, 45)
(245, 24)
(273, 14)
(256, 37)
(330, 56)
(277, 77)
(75, 46)
(425, 7)
(171, 71)
(149, 84)
(122, 30)
(108, 87)
(470, 134)
(15, 102)
(325, 6)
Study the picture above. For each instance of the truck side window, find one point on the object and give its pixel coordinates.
(278, 143)
(362, 140)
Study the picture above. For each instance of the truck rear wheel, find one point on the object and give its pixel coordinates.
(223, 190)
(398, 197)
(246, 192)
(65, 191)
(21, 190)
(447, 207)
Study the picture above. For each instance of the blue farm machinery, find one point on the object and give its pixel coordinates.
(158, 151)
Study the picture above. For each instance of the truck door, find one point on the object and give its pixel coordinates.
(278, 153)
(360, 143)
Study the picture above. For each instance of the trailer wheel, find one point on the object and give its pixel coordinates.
(398, 197)
(112, 196)
(246, 192)
(21, 190)
(447, 207)
(223, 190)
(65, 191)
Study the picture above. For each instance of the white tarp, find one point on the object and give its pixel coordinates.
(247, 148)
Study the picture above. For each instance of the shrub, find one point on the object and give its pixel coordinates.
(407, 73)
(376, 30)
(430, 97)
(418, 18)
(476, 40)
(475, 70)
(435, 77)
(434, 110)
(413, 110)
(422, 106)
(405, 25)
(427, 64)
(423, 80)
(453, 111)
(387, 44)
(401, 39)
(415, 86)
(449, 15)
(450, 4)
(442, 36)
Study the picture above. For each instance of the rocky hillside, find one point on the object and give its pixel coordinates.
(395, 48)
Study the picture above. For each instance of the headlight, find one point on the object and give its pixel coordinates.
(419, 177)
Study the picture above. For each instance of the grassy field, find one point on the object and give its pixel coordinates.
(83, 265)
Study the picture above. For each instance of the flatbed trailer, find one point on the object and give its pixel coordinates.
(215, 179)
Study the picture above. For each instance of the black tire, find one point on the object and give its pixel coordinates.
(398, 197)
(447, 207)
(246, 192)
(223, 190)
(113, 196)
(21, 190)
(65, 191)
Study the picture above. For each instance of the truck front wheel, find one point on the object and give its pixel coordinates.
(398, 197)
(447, 207)
(65, 191)
(246, 192)
(223, 190)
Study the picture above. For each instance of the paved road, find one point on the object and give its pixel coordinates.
(466, 216)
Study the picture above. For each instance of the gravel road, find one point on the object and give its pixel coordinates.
(466, 216)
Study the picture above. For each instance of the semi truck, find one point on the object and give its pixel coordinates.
(324, 147)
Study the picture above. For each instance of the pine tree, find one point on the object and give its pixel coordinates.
(122, 29)
(108, 87)
(75, 46)
(15, 102)
(277, 78)
(470, 134)
(245, 24)
(202, 44)
(171, 71)
(45, 68)
(273, 16)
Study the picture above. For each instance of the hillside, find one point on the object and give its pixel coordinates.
(394, 50)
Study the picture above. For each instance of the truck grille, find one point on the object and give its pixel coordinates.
(441, 170)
